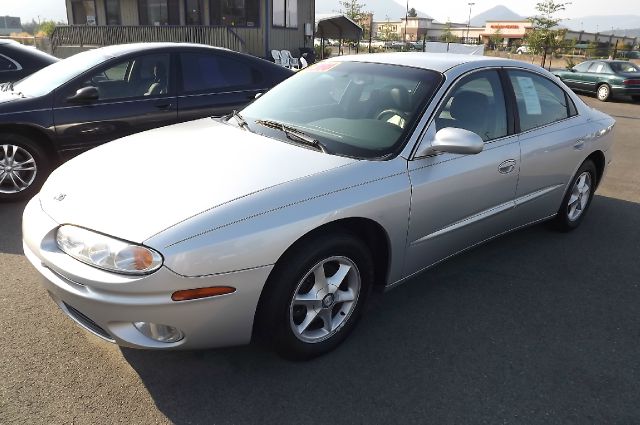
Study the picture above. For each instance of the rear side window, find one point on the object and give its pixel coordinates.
(6, 64)
(203, 72)
(540, 101)
(582, 67)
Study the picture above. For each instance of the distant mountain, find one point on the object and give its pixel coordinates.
(629, 32)
(381, 9)
(602, 23)
(498, 13)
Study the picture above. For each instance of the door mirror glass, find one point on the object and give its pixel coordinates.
(85, 95)
(457, 140)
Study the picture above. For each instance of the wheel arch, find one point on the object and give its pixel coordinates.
(367, 230)
(34, 133)
(598, 159)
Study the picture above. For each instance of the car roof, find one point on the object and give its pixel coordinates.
(123, 49)
(435, 61)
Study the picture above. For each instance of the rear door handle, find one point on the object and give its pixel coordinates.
(507, 166)
(164, 106)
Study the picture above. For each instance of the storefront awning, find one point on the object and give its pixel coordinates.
(338, 27)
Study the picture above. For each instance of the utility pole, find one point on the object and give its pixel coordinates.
(469, 21)
(406, 18)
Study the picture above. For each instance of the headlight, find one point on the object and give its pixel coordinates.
(107, 253)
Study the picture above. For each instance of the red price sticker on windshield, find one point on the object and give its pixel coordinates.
(322, 67)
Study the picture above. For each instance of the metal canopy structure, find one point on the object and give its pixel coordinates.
(337, 27)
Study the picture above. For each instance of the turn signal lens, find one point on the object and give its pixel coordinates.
(194, 294)
(107, 253)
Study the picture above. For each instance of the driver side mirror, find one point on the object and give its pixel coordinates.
(572, 69)
(450, 140)
(85, 95)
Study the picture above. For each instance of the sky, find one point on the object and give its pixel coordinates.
(455, 10)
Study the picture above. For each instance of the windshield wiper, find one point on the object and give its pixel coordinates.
(241, 122)
(294, 134)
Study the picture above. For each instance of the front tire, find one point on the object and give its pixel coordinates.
(23, 167)
(578, 198)
(604, 93)
(316, 295)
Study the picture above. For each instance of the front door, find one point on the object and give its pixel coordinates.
(135, 94)
(460, 200)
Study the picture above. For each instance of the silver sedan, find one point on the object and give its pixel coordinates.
(275, 223)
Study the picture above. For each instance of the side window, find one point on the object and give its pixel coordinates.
(6, 64)
(597, 67)
(476, 104)
(582, 67)
(142, 76)
(205, 72)
(540, 101)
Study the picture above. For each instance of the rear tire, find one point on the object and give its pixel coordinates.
(635, 98)
(603, 92)
(578, 198)
(316, 295)
(24, 167)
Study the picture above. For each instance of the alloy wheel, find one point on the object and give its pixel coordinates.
(324, 299)
(603, 92)
(580, 194)
(17, 169)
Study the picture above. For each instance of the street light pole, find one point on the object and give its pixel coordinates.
(469, 21)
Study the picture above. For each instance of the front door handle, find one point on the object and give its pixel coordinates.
(164, 106)
(507, 166)
(579, 145)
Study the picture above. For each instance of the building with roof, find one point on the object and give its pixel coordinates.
(256, 26)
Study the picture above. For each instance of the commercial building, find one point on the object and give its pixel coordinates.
(9, 25)
(258, 25)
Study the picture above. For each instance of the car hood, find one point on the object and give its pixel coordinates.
(135, 187)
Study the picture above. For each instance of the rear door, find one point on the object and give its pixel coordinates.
(577, 77)
(135, 94)
(215, 83)
(552, 142)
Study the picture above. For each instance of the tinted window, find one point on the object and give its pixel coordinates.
(205, 72)
(112, 8)
(539, 101)
(625, 67)
(137, 77)
(476, 104)
(582, 67)
(6, 64)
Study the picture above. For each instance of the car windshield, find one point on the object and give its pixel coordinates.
(624, 67)
(53, 76)
(355, 109)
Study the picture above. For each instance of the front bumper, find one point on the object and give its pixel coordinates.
(107, 304)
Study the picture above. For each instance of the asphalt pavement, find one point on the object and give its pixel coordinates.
(536, 327)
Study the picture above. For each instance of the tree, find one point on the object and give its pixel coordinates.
(353, 9)
(46, 28)
(447, 36)
(412, 13)
(546, 37)
(495, 38)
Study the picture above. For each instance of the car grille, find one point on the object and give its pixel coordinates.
(87, 323)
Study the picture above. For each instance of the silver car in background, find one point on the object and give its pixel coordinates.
(277, 222)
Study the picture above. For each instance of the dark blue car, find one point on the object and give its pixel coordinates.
(107, 93)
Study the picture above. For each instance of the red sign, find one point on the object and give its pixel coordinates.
(505, 27)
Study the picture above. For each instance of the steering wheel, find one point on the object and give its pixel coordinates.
(390, 113)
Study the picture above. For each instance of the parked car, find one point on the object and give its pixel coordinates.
(103, 94)
(605, 78)
(522, 50)
(276, 222)
(18, 61)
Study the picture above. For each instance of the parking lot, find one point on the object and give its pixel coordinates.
(535, 327)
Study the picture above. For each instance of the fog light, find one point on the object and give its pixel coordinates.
(161, 333)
